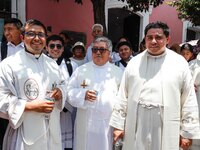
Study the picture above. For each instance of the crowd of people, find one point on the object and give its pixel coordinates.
(54, 95)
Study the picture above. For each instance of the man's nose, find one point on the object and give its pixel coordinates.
(36, 37)
(6, 32)
(153, 40)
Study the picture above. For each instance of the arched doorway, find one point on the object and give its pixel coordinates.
(124, 23)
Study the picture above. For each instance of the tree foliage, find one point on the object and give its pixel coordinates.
(142, 5)
(187, 9)
(134, 5)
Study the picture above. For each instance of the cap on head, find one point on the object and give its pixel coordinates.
(124, 43)
(97, 25)
(80, 44)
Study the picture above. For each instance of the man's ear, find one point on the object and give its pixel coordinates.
(46, 48)
(22, 37)
(168, 39)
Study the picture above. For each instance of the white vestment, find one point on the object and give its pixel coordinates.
(66, 117)
(78, 62)
(195, 70)
(92, 130)
(24, 78)
(171, 93)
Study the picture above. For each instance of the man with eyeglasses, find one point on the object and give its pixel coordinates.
(55, 48)
(92, 89)
(32, 94)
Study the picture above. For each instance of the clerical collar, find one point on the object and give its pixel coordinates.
(97, 66)
(36, 55)
(157, 56)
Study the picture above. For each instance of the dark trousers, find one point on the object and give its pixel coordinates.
(68, 148)
(3, 126)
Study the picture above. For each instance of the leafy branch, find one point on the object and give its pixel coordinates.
(188, 10)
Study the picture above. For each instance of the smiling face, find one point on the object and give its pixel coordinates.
(55, 48)
(156, 41)
(34, 44)
(125, 52)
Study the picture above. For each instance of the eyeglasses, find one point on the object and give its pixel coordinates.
(52, 46)
(33, 34)
(101, 50)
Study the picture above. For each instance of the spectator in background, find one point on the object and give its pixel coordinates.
(115, 53)
(187, 52)
(67, 46)
(12, 43)
(97, 31)
(197, 47)
(12, 34)
(176, 48)
(125, 52)
(78, 51)
(55, 47)
(142, 47)
(49, 31)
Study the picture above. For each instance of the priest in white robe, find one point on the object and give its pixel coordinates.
(92, 89)
(32, 94)
(195, 70)
(55, 48)
(157, 107)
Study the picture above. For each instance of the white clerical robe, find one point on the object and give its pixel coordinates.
(66, 118)
(24, 78)
(92, 130)
(179, 114)
(195, 70)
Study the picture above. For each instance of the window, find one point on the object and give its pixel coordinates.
(5, 12)
(5, 9)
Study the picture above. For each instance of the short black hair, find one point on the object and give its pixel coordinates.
(65, 33)
(54, 37)
(14, 21)
(187, 46)
(124, 43)
(33, 22)
(157, 24)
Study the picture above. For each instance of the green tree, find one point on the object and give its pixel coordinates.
(188, 10)
(135, 5)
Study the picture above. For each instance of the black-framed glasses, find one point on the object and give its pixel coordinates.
(33, 34)
(52, 46)
(101, 50)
